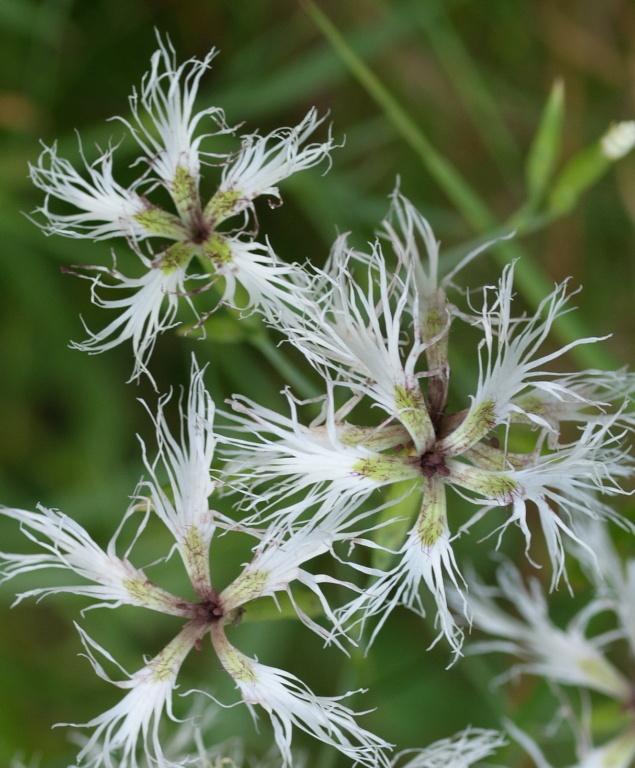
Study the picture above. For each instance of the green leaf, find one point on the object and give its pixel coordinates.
(545, 148)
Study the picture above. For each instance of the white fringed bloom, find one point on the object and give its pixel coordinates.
(367, 339)
(127, 735)
(132, 725)
(114, 581)
(187, 463)
(567, 656)
(460, 751)
(167, 129)
(290, 704)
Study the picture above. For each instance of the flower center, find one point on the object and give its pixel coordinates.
(199, 229)
(433, 463)
(208, 611)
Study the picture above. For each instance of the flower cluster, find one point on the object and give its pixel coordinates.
(375, 326)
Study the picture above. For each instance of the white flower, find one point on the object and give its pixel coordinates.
(187, 462)
(290, 704)
(460, 751)
(67, 546)
(166, 103)
(147, 308)
(510, 363)
(263, 162)
(167, 128)
(297, 458)
(425, 559)
(105, 209)
(565, 656)
(618, 141)
(132, 725)
(359, 336)
(356, 332)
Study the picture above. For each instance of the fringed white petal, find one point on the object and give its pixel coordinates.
(276, 289)
(290, 704)
(264, 161)
(296, 458)
(510, 362)
(413, 243)
(165, 123)
(279, 556)
(186, 461)
(113, 581)
(127, 735)
(564, 486)
(105, 209)
(148, 309)
(425, 560)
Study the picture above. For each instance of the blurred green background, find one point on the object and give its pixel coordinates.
(459, 81)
